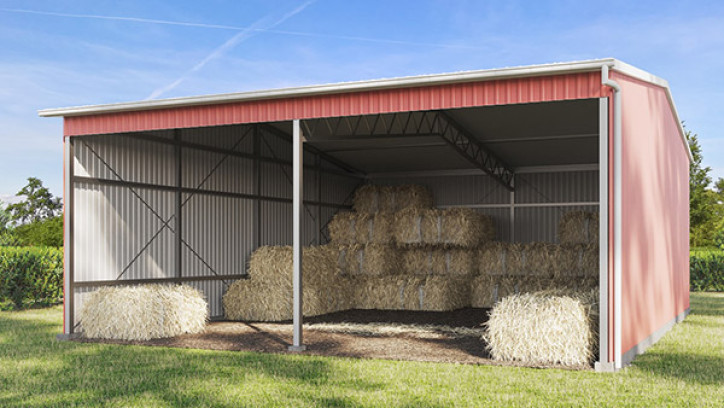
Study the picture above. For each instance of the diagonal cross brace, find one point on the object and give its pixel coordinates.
(471, 149)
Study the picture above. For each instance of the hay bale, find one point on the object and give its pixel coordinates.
(267, 295)
(463, 227)
(143, 312)
(578, 227)
(491, 258)
(348, 228)
(371, 259)
(382, 293)
(576, 260)
(543, 328)
(373, 199)
(483, 291)
(438, 294)
(438, 261)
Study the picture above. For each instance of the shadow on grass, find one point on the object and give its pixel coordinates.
(95, 374)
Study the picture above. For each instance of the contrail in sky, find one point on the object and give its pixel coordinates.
(239, 28)
(229, 44)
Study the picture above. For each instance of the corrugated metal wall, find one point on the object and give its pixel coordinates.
(536, 216)
(124, 205)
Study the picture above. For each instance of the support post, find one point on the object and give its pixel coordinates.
(179, 202)
(512, 210)
(297, 204)
(68, 184)
(257, 188)
(604, 363)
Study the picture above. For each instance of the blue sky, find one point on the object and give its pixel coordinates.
(68, 53)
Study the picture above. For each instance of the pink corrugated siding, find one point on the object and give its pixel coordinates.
(449, 96)
(655, 254)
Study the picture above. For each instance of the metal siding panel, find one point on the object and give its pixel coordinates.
(655, 213)
(558, 87)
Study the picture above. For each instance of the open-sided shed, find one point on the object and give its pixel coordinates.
(183, 190)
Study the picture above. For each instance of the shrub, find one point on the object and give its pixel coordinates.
(30, 276)
(707, 270)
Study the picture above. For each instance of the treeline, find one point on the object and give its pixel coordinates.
(36, 220)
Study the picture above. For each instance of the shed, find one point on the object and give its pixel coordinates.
(184, 189)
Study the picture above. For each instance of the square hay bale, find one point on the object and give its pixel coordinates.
(437, 294)
(576, 260)
(578, 227)
(143, 312)
(438, 261)
(516, 259)
(483, 291)
(544, 328)
(371, 259)
(373, 199)
(348, 228)
(382, 293)
(463, 227)
(267, 295)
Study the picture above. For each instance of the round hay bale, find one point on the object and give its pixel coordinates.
(143, 312)
(578, 227)
(373, 199)
(544, 328)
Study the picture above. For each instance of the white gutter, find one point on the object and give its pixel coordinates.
(617, 219)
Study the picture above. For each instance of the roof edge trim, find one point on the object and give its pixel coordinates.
(359, 86)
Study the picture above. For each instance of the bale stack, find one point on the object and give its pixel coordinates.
(143, 312)
(461, 227)
(431, 293)
(370, 259)
(545, 328)
(433, 260)
(578, 227)
(349, 228)
(266, 295)
(376, 199)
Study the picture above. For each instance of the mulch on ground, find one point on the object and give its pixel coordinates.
(276, 337)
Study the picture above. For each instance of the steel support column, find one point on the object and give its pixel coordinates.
(68, 221)
(297, 210)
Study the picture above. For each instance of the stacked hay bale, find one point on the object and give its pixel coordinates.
(544, 328)
(143, 312)
(513, 268)
(266, 295)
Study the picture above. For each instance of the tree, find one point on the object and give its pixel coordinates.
(702, 200)
(5, 218)
(39, 203)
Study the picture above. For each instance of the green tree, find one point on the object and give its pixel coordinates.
(39, 203)
(7, 233)
(702, 200)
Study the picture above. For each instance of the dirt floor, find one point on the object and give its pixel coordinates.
(432, 345)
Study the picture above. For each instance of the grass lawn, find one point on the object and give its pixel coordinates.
(686, 368)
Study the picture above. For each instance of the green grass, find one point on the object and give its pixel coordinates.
(686, 368)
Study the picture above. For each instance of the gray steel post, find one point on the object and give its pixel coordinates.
(297, 209)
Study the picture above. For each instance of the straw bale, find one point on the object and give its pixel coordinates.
(539, 259)
(266, 296)
(348, 228)
(590, 260)
(543, 328)
(143, 312)
(578, 227)
(438, 261)
(491, 258)
(483, 291)
(382, 293)
(462, 227)
(437, 293)
(373, 199)
(371, 259)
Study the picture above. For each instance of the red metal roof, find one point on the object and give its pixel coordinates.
(446, 96)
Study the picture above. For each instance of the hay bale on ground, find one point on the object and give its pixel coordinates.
(382, 293)
(578, 227)
(348, 228)
(371, 259)
(373, 199)
(438, 261)
(143, 312)
(554, 327)
(437, 294)
(266, 296)
(463, 227)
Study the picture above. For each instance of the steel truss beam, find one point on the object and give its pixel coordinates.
(412, 124)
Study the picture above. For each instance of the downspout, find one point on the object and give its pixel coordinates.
(617, 218)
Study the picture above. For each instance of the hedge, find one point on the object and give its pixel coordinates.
(30, 276)
(707, 271)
